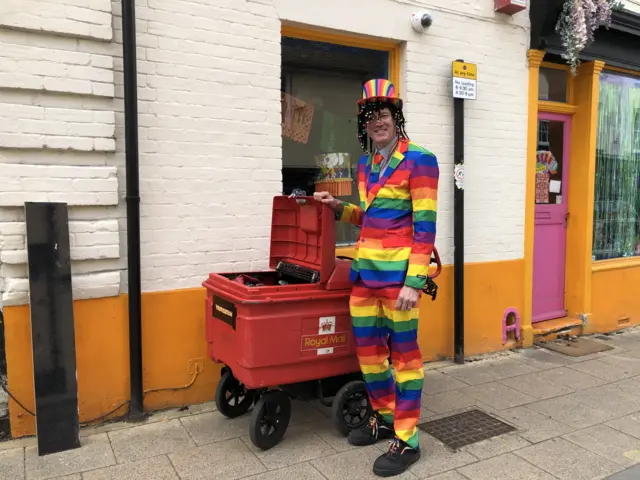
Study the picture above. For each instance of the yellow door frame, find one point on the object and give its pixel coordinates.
(583, 106)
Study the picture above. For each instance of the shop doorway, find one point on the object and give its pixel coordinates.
(551, 217)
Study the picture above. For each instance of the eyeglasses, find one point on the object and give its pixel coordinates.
(383, 117)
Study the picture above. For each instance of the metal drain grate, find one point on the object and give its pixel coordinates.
(465, 428)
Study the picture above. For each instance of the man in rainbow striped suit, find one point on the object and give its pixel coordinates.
(398, 184)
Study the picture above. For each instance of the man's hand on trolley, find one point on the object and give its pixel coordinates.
(326, 197)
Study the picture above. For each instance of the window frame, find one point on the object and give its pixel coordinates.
(316, 35)
(390, 47)
(620, 262)
(569, 79)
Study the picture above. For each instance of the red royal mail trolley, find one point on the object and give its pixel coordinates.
(287, 332)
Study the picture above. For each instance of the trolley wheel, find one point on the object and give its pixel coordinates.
(232, 398)
(270, 419)
(351, 408)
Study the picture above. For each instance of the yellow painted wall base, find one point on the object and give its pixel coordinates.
(615, 300)
(174, 334)
(490, 289)
(102, 358)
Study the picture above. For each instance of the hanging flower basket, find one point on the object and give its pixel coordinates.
(577, 25)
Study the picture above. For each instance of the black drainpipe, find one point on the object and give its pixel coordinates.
(136, 410)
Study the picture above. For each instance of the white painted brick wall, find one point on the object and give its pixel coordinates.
(29, 126)
(95, 285)
(45, 68)
(82, 18)
(210, 139)
(90, 241)
(495, 130)
(93, 242)
(51, 183)
(210, 120)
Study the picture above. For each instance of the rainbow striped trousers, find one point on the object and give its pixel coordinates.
(375, 320)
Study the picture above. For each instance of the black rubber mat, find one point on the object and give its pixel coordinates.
(465, 428)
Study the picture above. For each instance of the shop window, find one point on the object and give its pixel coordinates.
(553, 85)
(616, 219)
(321, 83)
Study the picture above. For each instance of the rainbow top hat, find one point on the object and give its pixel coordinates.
(379, 90)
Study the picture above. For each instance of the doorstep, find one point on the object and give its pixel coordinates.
(551, 329)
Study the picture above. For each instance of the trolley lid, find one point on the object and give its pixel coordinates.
(303, 239)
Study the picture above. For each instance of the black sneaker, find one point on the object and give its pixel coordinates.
(377, 429)
(399, 457)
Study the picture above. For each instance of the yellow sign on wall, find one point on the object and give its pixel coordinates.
(465, 70)
(465, 79)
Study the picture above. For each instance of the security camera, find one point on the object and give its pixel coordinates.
(420, 21)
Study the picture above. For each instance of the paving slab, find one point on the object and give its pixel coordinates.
(605, 370)
(230, 460)
(355, 465)
(95, 452)
(536, 386)
(304, 412)
(438, 382)
(214, 427)
(496, 395)
(450, 401)
(541, 358)
(504, 467)
(570, 378)
(632, 353)
(150, 440)
(18, 443)
(567, 461)
(156, 468)
(12, 464)
(495, 446)
(570, 412)
(629, 425)
(486, 371)
(627, 360)
(607, 398)
(609, 443)
(453, 475)
(627, 340)
(327, 432)
(300, 444)
(304, 471)
(534, 426)
(630, 386)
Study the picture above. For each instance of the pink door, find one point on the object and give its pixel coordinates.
(551, 215)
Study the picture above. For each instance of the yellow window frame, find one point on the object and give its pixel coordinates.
(349, 40)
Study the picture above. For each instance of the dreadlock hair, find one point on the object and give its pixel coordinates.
(365, 115)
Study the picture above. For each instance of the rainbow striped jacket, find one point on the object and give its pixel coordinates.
(397, 216)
